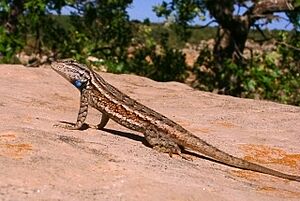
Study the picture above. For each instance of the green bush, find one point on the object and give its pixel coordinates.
(273, 75)
(9, 46)
(151, 57)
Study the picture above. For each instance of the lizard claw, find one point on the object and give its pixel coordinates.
(66, 125)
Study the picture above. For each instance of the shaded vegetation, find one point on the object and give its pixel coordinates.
(100, 34)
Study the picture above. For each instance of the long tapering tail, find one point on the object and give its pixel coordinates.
(221, 156)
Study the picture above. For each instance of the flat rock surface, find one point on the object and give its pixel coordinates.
(42, 162)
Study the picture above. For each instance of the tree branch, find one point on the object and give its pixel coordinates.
(288, 45)
(270, 6)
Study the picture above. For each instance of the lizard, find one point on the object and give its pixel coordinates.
(162, 134)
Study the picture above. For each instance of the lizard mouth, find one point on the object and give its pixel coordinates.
(57, 67)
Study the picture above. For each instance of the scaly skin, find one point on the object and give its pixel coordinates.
(162, 133)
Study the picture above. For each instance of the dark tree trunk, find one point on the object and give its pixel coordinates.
(230, 41)
(11, 20)
(233, 30)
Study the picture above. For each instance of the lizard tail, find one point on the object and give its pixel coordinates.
(203, 147)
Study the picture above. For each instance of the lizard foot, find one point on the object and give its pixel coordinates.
(66, 125)
(172, 150)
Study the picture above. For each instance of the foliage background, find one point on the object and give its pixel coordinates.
(100, 34)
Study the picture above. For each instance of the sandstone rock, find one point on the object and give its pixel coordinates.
(40, 162)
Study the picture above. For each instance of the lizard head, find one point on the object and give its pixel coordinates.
(76, 73)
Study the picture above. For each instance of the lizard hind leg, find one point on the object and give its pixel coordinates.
(163, 145)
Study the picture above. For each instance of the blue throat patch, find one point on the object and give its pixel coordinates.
(78, 84)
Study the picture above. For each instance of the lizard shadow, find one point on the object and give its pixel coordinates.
(144, 142)
(141, 139)
(127, 135)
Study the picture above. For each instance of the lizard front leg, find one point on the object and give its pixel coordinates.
(103, 122)
(83, 110)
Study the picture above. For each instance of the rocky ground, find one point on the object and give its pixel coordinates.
(41, 162)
